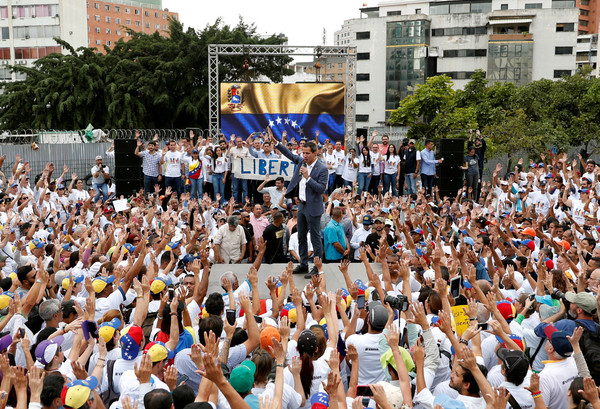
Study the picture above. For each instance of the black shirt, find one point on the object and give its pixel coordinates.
(373, 241)
(274, 252)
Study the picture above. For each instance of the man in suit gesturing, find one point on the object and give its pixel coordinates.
(308, 184)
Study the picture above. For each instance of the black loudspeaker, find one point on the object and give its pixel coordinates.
(128, 167)
(450, 178)
(452, 150)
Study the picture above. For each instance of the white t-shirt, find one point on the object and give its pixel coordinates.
(341, 156)
(350, 172)
(370, 369)
(78, 195)
(172, 162)
(391, 165)
(555, 379)
(362, 166)
(331, 161)
(321, 370)
(220, 164)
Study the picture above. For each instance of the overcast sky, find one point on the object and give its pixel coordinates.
(302, 22)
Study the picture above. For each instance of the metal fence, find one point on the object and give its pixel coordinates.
(78, 157)
(77, 150)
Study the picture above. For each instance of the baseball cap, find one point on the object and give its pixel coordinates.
(131, 339)
(171, 245)
(564, 244)
(319, 400)
(36, 244)
(367, 219)
(242, 376)
(528, 232)
(159, 284)
(379, 220)
(98, 157)
(515, 361)
(417, 231)
(129, 248)
(528, 243)
(307, 342)
(47, 349)
(504, 182)
(585, 301)
(506, 309)
(412, 141)
(481, 220)
(515, 338)
(378, 316)
(107, 329)
(266, 337)
(559, 341)
(469, 241)
(75, 394)
(158, 351)
(100, 283)
(5, 298)
(76, 280)
(289, 310)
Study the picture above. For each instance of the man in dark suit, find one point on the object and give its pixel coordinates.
(308, 184)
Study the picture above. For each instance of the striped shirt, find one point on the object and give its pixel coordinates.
(150, 163)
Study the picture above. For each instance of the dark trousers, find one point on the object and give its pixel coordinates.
(308, 224)
(149, 183)
(427, 181)
(175, 183)
(472, 181)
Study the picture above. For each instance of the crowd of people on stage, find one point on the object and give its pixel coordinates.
(486, 298)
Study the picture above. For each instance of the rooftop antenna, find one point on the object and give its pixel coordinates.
(324, 36)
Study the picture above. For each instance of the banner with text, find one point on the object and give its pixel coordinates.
(257, 169)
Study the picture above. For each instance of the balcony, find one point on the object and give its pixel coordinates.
(512, 37)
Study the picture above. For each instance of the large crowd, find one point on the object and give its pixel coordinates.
(488, 298)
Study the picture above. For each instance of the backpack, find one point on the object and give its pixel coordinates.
(590, 347)
(109, 396)
(147, 325)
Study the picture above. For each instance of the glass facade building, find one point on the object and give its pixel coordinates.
(406, 59)
(510, 61)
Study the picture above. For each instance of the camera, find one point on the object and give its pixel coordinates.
(399, 302)
(558, 295)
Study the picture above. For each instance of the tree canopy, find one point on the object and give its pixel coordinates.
(535, 117)
(149, 81)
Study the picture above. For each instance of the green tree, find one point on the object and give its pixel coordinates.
(149, 81)
(431, 111)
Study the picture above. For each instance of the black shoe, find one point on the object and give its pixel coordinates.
(313, 272)
(301, 269)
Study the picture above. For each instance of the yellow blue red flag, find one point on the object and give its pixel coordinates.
(298, 109)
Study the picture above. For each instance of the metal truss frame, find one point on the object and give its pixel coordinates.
(216, 50)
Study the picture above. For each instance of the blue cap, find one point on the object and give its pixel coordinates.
(321, 398)
(469, 241)
(367, 219)
(448, 403)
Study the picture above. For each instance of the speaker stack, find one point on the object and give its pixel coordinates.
(128, 167)
(450, 175)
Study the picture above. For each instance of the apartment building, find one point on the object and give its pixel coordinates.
(28, 29)
(108, 21)
(402, 43)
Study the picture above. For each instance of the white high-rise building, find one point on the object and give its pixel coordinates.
(28, 29)
(402, 43)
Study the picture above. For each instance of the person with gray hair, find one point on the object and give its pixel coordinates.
(230, 242)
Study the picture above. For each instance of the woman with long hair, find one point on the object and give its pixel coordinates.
(391, 170)
(365, 169)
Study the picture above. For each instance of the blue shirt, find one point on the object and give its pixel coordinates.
(334, 232)
(261, 154)
(428, 162)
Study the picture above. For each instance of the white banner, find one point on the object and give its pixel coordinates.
(257, 169)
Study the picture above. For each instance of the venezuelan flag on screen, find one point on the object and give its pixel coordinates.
(299, 109)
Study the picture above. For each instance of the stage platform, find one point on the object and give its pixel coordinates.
(334, 277)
